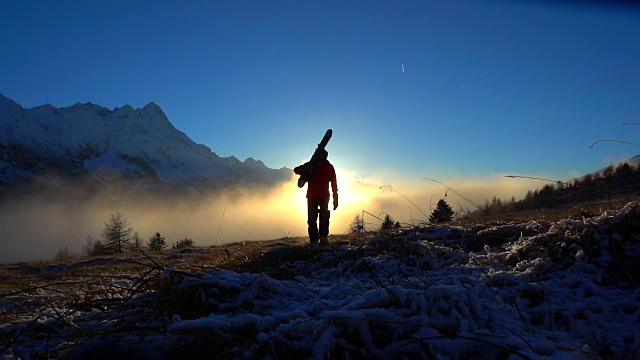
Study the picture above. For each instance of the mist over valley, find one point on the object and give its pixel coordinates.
(64, 171)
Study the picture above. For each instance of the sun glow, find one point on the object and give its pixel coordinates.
(240, 214)
(353, 195)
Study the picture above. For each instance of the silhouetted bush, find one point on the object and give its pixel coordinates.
(184, 243)
(442, 213)
(157, 242)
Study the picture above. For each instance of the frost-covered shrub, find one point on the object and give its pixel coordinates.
(64, 254)
(556, 290)
(609, 244)
(502, 234)
(185, 243)
(157, 242)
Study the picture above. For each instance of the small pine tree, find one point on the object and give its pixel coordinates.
(136, 242)
(117, 233)
(387, 224)
(185, 243)
(623, 171)
(357, 225)
(442, 213)
(98, 248)
(64, 254)
(157, 242)
(87, 248)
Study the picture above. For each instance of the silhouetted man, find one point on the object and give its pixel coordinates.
(318, 198)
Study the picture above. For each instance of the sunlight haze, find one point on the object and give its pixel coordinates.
(489, 86)
(462, 92)
(36, 230)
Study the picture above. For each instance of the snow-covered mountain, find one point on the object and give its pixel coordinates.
(134, 149)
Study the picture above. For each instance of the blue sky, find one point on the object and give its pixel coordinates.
(490, 87)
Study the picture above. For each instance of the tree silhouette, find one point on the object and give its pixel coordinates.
(117, 233)
(442, 213)
(136, 242)
(157, 242)
(387, 224)
(357, 225)
(185, 243)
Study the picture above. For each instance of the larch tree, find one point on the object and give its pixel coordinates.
(117, 233)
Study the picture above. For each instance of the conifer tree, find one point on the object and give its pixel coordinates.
(357, 225)
(185, 243)
(157, 242)
(117, 233)
(442, 213)
(136, 242)
(387, 224)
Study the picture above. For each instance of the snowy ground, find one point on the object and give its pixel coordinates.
(566, 289)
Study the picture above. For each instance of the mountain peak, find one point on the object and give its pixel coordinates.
(5, 101)
(152, 106)
(125, 109)
(253, 162)
(136, 148)
(156, 111)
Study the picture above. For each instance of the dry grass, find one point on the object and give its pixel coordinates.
(575, 211)
(31, 292)
(86, 279)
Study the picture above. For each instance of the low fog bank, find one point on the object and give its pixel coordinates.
(37, 230)
(411, 201)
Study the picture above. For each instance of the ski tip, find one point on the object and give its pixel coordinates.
(328, 134)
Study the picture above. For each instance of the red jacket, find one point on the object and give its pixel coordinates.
(323, 174)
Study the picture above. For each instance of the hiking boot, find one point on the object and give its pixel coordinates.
(324, 241)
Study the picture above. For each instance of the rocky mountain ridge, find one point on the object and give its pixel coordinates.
(92, 147)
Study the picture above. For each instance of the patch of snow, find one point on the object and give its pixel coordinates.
(122, 140)
(556, 291)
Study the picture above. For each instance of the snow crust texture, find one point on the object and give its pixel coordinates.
(562, 290)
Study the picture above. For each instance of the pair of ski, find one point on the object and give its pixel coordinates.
(305, 175)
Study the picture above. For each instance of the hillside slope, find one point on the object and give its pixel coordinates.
(539, 289)
(93, 147)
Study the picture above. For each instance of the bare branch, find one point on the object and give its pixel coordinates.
(618, 141)
(533, 178)
(455, 192)
(391, 189)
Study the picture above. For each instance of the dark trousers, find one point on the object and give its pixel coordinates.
(318, 208)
